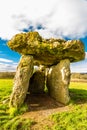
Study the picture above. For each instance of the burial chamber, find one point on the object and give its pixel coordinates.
(52, 56)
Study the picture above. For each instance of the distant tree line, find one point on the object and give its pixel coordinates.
(7, 75)
(10, 75)
(79, 76)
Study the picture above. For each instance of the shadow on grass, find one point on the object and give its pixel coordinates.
(43, 101)
(78, 96)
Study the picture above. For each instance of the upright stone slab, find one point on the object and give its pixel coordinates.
(46, 52)
(58, 81)
(37, 82)
(21, 81)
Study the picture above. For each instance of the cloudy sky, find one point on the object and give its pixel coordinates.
(51, 18)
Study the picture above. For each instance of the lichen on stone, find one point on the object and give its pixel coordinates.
(55, 54)
(47, 52)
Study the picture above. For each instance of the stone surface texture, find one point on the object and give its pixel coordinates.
(37, 82)
(55, 54)
(58, 81)
(47, 52)
(21, 81)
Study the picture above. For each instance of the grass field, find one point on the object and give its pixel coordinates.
(76, 117)
(73, 119)
(8, 122)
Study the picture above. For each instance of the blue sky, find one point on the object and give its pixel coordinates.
(81, 66)
(51, 18)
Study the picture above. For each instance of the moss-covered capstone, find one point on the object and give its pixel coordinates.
(47, 52)
(54, 54)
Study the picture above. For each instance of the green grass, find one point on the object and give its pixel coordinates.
(76, 117)
(78, 85)
(73, 119)
(78, 92)
(7, 121)
(5, 88)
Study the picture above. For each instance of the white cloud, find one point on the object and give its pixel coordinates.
(5, 60)
(7, 68)
(79, 70)
(85, 55)
(80, 67)
(58, 17)
(7, 65)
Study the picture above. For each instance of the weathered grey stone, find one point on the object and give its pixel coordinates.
(37, 82)
(47, 52)
(21, 81)
(58, 81)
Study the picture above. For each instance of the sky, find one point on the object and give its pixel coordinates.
(51, 18)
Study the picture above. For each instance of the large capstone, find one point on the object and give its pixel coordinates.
(47, 52)
(21, 81)
(37, 82)
(58, 81)
(55, 54)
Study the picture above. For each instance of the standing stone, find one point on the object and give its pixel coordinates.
(21, 81)
(37, 82)
(58, 81)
